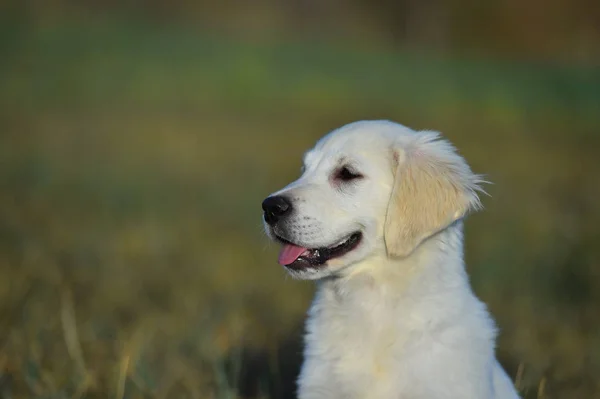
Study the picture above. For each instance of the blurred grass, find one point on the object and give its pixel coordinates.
(134, 159)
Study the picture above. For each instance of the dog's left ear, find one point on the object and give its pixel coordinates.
(433, 187)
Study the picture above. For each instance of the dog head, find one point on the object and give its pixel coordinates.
(368, 189)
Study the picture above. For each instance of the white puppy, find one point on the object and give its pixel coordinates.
(376, 218)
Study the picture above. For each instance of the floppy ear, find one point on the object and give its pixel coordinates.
(433, 187)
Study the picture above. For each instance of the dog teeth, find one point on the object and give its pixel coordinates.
(339, 243)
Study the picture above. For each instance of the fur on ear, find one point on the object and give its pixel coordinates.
(433, 187)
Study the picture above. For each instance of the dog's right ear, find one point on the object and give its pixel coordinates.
(433, 187)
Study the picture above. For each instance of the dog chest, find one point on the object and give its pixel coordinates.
(354, 341)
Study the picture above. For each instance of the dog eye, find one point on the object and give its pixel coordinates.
(345, 174)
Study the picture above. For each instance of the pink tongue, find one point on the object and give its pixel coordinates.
(289, 253)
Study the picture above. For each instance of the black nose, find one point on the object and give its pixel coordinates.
(275, 208)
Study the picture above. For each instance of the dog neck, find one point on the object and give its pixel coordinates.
(434, 268)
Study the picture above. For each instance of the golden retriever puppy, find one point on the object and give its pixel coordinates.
(376, 218)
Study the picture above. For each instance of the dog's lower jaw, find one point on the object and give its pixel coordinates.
(395, 328)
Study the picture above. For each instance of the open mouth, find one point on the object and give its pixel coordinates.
(296, 257)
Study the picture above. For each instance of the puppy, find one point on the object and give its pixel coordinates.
(376, 220)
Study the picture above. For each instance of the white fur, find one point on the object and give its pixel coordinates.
(396, 317)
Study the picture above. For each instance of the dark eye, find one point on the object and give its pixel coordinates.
(345, 174)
